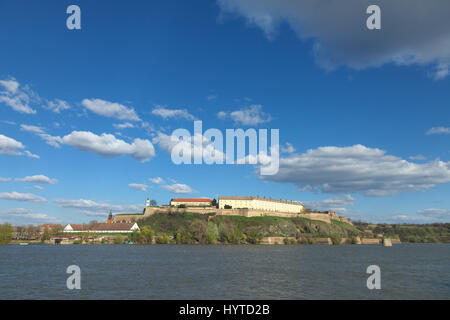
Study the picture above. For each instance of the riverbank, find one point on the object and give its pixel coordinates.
(193, 228)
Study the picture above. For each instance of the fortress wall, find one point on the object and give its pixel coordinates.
(370, 241)
(344, 219)
(326, 241)
(275, 240)
(317, 216)
(127, 218)
(325, 217)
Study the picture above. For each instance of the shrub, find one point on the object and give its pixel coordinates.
(118, 240)
(254, 237)
(335, 238)
(199, 230)
(236, 237)
(289, 241)
(164, 239)
(213, 233)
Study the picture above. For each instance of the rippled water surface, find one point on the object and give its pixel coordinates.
(408, 271)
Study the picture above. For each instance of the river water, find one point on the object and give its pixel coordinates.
(408, 271)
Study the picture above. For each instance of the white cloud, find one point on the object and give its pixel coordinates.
(172, 113)
(32, 129)
(98, 208)
(358, 169)
(249, 116)
(439, 130)
(339, 204)
(418, 157)
(4, 179)
(41, 179)
(179, 188)
(157, 180)
(53, 141)
(439, 214)
(222, 115)
(57, 105)
(10, 85)
(39, 188)
(10, 146)
(289, 148)
(139, 187)
(440, 72)
(124, 125)
(28, 214)
(165, 141)
(340, 37)
(211, 97)
(110, 109)
(17, 98)
(107, 145)
(21, 197)
(31, 155)
(207, 151)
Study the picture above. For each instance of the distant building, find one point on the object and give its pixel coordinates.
(102, 228)
(260, 203)
(191, 202)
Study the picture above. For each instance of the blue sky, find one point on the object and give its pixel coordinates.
(366, 114)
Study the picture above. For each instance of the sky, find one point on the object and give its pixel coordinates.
(86, 115)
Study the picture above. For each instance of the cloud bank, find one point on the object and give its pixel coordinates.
(412, 32)
(358, 169)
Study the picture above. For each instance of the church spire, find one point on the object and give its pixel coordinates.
(110, 217)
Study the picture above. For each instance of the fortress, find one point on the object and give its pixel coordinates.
(234, 206)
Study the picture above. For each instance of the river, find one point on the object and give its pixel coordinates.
(408, 271)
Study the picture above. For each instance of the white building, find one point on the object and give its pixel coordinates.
(260, 203)
(201, 202)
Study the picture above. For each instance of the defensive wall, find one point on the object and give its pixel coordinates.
(325, 217)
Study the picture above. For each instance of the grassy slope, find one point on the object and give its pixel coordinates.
(266, 226)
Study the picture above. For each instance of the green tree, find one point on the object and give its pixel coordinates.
(146, 235)
(45, 235)
(6, 233)
(85, 237)
(199, 230)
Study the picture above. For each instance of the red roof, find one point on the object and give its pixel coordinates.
(192, 200)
